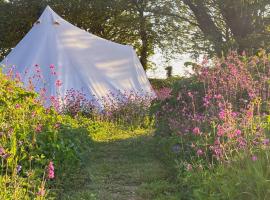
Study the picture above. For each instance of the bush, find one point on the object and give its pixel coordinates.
(164, 83)
(38, 147)
(218, 119)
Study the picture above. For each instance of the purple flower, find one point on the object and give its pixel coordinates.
(265, 141)
(199, 152)
(19, 168)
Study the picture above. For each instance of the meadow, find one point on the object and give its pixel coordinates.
(202, 137)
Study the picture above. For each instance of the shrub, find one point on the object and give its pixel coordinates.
(218, 112)
(33, 142)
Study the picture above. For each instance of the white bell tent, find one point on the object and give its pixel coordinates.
(82, 61)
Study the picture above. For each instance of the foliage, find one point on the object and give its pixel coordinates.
(158, 84)
(126, 22)
(220, 128)
(246, 178)
(32, 137)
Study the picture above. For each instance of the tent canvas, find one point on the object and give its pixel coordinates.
(82, 61)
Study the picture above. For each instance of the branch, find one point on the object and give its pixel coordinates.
(177, 16)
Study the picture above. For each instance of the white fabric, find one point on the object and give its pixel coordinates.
(83, 61)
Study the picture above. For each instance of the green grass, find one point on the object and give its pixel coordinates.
(125, 166)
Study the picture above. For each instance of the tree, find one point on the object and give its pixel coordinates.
(133, 22)
(226, 24)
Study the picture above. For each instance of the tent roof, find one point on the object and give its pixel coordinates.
(82, 61)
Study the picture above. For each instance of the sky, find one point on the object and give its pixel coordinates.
(177, 64)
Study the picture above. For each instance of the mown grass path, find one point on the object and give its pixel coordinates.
(126, 169)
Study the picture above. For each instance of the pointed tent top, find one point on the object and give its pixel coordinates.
(49, 16)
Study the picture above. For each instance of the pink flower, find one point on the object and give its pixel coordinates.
(57, 126)
(58, 83)
(17, 106)
(33, 114)
(219, 96)
(249, 114)
(222, 115)
(199, 152)
(254, 158)
(238, 132)
(41, 192)
(163, 94)
(196, 131)
(38, 128)
(265, 141)
(2, 151)
(220, 131)
(52, 66)
(234, 114)
(50, 170)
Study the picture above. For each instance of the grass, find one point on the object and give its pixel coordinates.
(125, 166)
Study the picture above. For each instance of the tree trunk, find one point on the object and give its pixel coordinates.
(206, 24)
(239, 18)
(144, 39)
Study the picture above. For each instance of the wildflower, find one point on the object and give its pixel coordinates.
(206, 102)
(199, 152)
(242, 143)
(33, 114)
(238, 132)
(219, 96)
(57, 126)
(38, 128)
(220, 131)
(58, 83)
(254, 158)
(50, 170)
(266, 141)
(189, 167)
(222, 115)
(17, 106)
(234, 114)
(18, 169)
(196, 131)
(163, 94)
(2, 151)
(249, 114)
(41, 191)
(52, 66)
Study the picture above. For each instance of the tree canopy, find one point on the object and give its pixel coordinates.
(173, 26)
